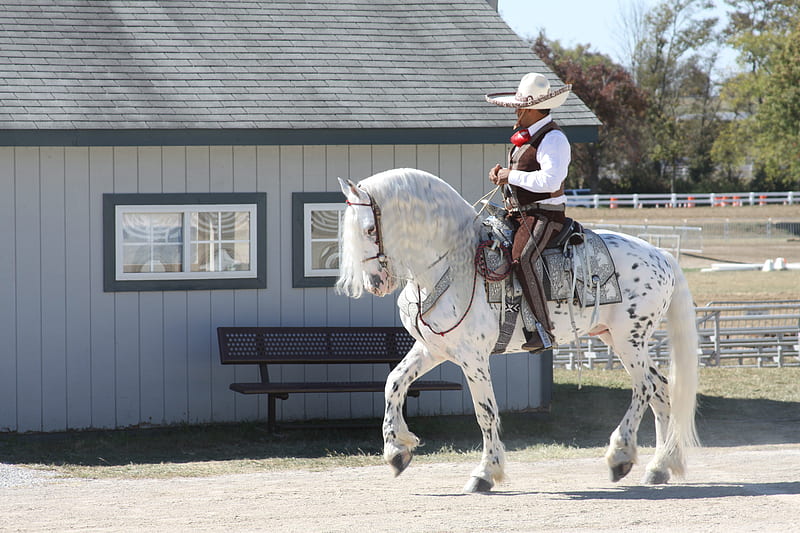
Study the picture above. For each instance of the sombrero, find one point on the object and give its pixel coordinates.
(533, 93)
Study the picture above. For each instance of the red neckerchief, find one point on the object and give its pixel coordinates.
(521, 137)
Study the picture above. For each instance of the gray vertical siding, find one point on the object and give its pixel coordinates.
(8, 292)
(73, 356)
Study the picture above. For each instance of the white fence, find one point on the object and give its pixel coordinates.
(672, 238)
(731, 199)
(731, 334)
(692, 238)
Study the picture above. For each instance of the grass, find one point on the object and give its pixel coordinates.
(578, 426)
(743, 286)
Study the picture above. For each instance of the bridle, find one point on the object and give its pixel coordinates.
(376, 215)
(383, 260)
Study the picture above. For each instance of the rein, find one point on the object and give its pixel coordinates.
(421, 317)
(479, 266)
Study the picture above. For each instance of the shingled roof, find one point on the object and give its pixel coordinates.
(261, 66)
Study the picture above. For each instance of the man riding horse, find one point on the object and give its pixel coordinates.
(533, 188)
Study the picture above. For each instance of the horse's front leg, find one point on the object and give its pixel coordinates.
(398, 441)
(492, 466)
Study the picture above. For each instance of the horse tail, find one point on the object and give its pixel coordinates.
(682, 332)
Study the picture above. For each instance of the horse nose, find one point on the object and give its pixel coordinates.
(375, 280)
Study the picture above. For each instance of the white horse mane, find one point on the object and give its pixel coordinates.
(422, 216)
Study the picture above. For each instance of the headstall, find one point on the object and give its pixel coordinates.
(376, 214)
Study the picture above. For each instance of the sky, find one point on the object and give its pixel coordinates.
(573, 22)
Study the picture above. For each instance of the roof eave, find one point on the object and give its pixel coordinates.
(273, 137)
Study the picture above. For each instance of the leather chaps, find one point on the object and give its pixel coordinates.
(535, 231)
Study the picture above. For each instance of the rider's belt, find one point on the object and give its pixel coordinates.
(536, 206)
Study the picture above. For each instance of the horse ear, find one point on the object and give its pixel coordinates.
(349, 189)
(345, 187)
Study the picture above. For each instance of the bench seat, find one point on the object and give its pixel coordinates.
(338, 386)
(265, 346)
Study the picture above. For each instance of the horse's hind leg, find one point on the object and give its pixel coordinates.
(669, 456)
(622, 449)
(649, 386)
(657, 471)
(398, 441)
(491, 467)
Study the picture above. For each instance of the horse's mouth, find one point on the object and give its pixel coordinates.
(380, 290)
(380, 285)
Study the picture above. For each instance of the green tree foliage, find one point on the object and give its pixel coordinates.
(608, 89)
(765, 95)
(663, 126)
(660, 115)
(673, 54)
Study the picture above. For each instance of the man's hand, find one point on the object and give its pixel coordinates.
(499, 175)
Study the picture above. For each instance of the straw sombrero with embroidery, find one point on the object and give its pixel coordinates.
(533, 93)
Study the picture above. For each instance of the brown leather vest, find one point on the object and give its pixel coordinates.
(524, 158)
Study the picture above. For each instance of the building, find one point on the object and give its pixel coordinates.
(110, 111)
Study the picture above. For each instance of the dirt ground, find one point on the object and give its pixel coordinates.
(755, 488)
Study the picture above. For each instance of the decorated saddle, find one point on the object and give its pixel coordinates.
(575, 267)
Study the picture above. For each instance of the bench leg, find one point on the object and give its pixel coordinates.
(271, 413)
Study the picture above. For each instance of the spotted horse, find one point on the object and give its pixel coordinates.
(405, 228)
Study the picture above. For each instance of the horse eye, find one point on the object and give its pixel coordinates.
(371, 231)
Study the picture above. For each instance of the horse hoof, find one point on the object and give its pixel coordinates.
(478, 484)
(400, 462)
(655, 477)
(620, 471)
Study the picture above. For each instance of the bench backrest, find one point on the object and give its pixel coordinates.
(239, 345)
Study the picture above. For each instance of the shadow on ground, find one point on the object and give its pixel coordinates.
(579, 418)
(685, 491)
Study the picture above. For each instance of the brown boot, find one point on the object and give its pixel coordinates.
(537, 341)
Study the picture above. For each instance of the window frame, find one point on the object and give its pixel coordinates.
(300, 232)
(114, 281)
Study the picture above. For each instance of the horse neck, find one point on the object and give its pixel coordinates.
(432, 257)
(426, 223)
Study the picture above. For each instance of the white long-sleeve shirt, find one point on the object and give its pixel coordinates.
(554, 156)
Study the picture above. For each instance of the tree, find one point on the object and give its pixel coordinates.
(778, 140)
(609, 91)
(765, 95)
(672, 55)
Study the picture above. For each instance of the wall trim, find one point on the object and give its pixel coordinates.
(272, 137)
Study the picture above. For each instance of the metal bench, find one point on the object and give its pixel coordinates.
(264, 346)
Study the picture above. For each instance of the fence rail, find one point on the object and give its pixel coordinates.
(673, 238)
(679, 239)
(752, 334)
(731, 199)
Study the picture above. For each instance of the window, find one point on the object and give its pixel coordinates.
(316, 232)
(321, 238)
(184, 241)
